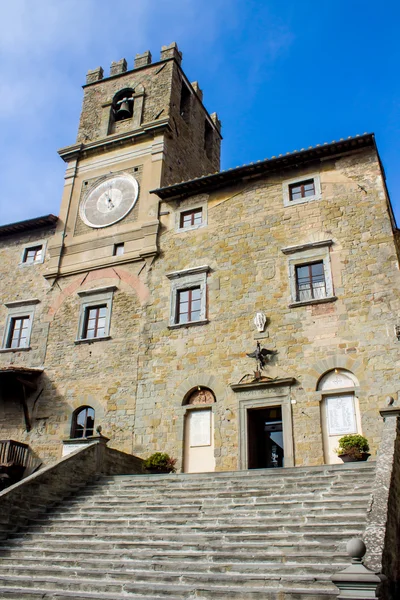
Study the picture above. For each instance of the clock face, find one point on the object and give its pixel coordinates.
(109, 201)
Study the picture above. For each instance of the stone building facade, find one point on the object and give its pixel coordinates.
(134, 310)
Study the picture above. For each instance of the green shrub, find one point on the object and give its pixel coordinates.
(354, 445)
(160, 461)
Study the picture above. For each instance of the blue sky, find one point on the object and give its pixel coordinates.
(282, 75)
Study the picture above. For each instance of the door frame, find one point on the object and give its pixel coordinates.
(265, 395)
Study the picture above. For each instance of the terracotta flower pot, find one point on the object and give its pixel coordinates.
(351, 458)
(159, 471)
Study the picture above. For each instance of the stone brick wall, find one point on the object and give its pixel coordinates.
(383, 522)
(185, 156)
(21, 282)
(247, 228)
(49, 486)
(95, 115)
(137, 380)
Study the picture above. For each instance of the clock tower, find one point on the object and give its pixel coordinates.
(140, 129)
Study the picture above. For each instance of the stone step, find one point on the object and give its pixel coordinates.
(143, 528)
(314, 555)
(29, 565)
(195, 518)
(228, 485)
(18, 593)
(202, 495)
(165, 582)
(271, 535)
(98, 568)
(200, 535)
(312, 498)
(272, 507)
(286, 473)
(281, 546)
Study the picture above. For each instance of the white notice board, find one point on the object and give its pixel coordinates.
(200, 428)
(341, 414)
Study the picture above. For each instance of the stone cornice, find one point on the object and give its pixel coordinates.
(260, 385)
(304, 247)
(76, 151)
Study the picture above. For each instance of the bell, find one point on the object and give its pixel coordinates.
(124, 111)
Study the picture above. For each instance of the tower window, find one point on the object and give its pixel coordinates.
(82, 422)
(185, 102)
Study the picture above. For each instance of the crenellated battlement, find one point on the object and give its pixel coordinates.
(141, 60)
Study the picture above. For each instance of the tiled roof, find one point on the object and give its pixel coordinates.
(295, 158)
(28, 225)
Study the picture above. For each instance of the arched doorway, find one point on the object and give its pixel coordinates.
(198, 448)
(340, 412)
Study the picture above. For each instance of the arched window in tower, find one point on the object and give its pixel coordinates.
(82, 422)
(122, 105)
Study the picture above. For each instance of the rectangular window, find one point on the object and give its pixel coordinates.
(33, 254)
(95, 314)
(119, 249)
(190, 218)
(310, 282)
(18, 335)
(301, 189)
(95, 322)
(188, 306)
(188, 297)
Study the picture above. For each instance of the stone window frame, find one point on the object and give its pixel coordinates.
(183, 209)
(306, 177)
(188, 278)
(19, 309)
(91, 299)
(30, 246)
(306, 254)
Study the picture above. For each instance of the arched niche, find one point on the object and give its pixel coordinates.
(340, 410)
(337, 379)
(199, 396)
(198, 448)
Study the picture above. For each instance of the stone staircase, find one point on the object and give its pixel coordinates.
(262, 534)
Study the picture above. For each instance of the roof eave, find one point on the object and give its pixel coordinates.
(28, 225)
(291, 159)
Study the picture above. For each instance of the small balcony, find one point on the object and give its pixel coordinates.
(16, 462)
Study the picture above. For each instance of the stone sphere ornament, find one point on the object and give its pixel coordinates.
(356, 548)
